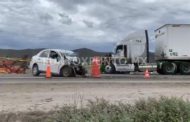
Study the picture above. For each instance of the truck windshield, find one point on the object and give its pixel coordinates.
(119, 48)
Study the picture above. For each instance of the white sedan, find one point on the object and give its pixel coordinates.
(62, 62)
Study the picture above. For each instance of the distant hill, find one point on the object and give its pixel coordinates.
(18, 53)
(82, 52)
(85, 52)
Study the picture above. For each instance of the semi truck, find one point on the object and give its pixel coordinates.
(172, 53)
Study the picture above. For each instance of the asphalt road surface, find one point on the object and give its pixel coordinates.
(117, 78)
(28, 93)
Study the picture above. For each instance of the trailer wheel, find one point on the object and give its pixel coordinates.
(185, 68)
(67, 72)
(169, 68)
(35, 70)
(109, 69)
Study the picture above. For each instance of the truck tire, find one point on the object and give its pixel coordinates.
(67, 72)
(184, 68)
(169, 68)
(110, 69)
(35, 70)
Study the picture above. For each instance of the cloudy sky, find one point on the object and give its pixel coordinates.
(71, 24)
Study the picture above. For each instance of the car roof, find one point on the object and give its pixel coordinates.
(60, 50)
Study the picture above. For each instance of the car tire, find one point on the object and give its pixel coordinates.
(67, 72)
(35, 70)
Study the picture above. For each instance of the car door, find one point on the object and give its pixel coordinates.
(55, 61)
(42, 60)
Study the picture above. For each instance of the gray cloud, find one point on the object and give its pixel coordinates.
(65, 19)
(83, 23)
(88, 24)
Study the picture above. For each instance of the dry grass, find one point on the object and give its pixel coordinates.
(151, 110)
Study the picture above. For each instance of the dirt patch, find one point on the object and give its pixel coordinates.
(45, 97)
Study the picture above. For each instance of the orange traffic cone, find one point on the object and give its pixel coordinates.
(147, 74)
(95, 69)
(48, 71)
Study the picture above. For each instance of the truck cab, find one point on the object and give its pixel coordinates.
(129, 53)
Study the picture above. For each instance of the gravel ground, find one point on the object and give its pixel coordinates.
(26, 93)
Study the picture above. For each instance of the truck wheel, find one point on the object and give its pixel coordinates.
(169, 68)
(67, 72)
(35, 70)
(109, 69)
(185, 68)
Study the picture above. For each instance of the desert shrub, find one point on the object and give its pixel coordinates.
(162, 110)
(151, 110)
(96, 111)
(35, 116)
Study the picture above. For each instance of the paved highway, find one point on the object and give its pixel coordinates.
(105, 78)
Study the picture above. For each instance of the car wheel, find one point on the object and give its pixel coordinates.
(35, 70)
(185, 68)
(67, 72)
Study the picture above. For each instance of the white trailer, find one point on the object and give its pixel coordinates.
(173, 49)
